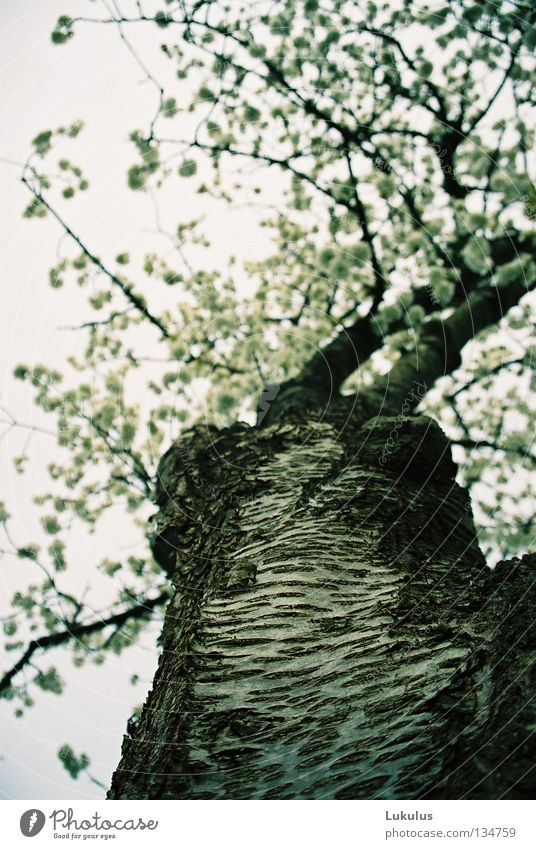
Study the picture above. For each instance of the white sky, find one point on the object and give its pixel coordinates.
(43, 86)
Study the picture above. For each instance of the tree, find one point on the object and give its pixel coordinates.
(329, 602)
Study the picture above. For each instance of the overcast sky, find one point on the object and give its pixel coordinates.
(43, 86)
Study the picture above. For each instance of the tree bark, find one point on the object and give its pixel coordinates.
(335, 631)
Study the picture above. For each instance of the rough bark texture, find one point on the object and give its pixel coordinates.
(335, 631)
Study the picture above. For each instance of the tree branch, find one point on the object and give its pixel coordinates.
(485, 109)
(136, 301)
(360, 212)
(476, 444)
(437, 350)
(441, 112)
(76, 629)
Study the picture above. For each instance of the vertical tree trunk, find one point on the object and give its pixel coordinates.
(335, 632)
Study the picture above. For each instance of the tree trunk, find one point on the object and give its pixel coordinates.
(335, 631)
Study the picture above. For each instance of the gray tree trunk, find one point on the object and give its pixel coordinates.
(335, 631)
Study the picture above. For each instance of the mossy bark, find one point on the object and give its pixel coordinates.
(335, 631)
